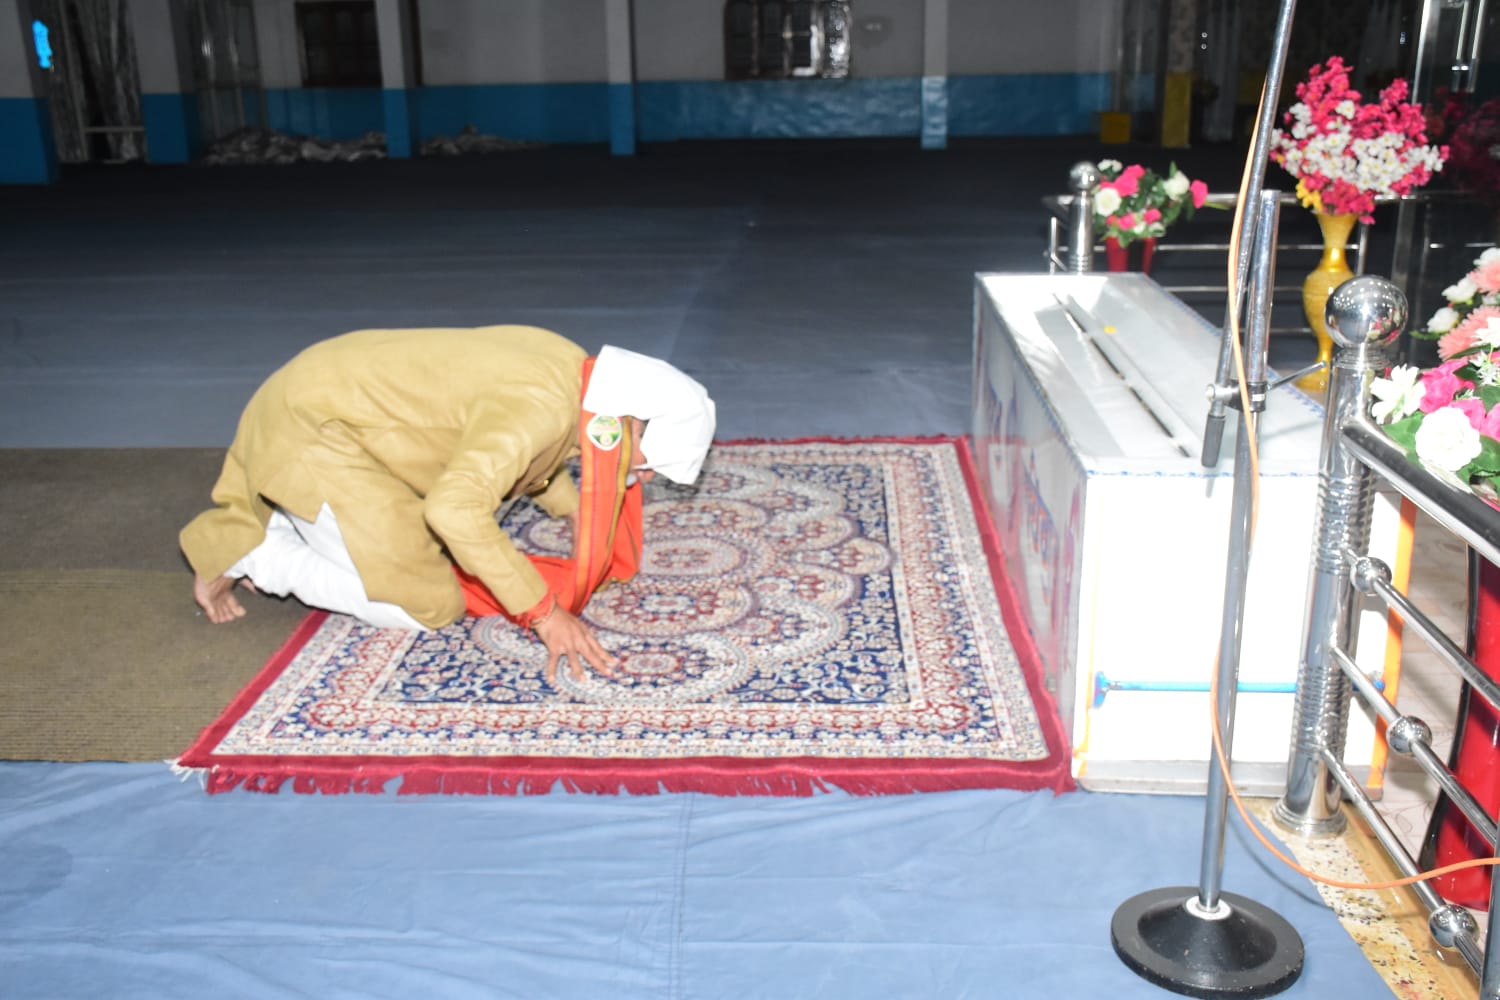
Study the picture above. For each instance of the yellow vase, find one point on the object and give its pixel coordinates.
(1331, 272)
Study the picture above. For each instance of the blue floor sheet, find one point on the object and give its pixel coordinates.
(123, 881)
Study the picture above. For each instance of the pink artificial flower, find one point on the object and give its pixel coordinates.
(1453, 342)
(1200, 193)
(1473, 408)
(1485, 422)
(1151, 215)
(1473, 324)
(1129, 181)
(1487, 274)
(1127, 221)
(1440, 385)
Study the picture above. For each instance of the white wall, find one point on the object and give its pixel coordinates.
(18, 74)
(1024, 36)
(154, 32)
(684, 39)
(885, 38)
(276, 42)
(563, 41)
(679, 40)
(514, 41)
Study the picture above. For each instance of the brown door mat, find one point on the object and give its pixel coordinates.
(103, 654)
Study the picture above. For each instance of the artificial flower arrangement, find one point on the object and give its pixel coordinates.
(1134, 202)
(1447, 417)
(1473, 301)
(1347, 154)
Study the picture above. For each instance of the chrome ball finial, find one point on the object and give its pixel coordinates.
(1366, 310)
(1084, 177)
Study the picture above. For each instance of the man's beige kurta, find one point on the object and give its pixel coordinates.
(414, 438)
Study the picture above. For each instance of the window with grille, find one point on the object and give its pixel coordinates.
(780, 39)
(340, 45)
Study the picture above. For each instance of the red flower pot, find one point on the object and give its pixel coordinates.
(1129, 258)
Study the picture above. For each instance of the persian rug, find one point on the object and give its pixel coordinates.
(810, 615)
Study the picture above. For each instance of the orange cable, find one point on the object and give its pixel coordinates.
(1220, 756)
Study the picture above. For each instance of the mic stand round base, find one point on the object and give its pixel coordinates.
(1238, 949)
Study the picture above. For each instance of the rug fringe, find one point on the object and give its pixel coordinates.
(182, 772)
(690, 777)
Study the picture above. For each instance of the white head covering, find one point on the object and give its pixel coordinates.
(678, 413)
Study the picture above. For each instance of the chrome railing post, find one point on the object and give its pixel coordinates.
(1365, 316)
(1082, 179)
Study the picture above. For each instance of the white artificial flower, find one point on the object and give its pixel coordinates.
(1399, 396)
(1446, 440)
(1489, 334)
(1461, 290)
(1486, 372)
(1111, 166)
(1443, 320)
(1106, 201)
(1177, 185)
(1488, 257)
(1345, 108)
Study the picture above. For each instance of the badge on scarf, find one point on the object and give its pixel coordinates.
(604, 431)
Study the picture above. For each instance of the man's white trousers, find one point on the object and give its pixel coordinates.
(309, 561)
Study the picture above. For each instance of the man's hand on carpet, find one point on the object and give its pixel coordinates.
(565, 635)
(215, 595)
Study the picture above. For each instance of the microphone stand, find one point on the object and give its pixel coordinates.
(1202, 941)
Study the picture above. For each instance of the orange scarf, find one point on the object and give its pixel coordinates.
(608, 546)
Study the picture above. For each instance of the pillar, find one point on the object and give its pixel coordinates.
(1176, 94)
(393, 25)
(27, 153)
(935, 74)
(169, 107)
(619, 44)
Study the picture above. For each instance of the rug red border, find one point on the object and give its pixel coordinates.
(792, 776)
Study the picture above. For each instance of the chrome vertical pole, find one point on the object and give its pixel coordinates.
(1241, 527)
(1083, 178)
(1365, 316)
(1201, 941)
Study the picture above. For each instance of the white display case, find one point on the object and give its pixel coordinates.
(1089, 404)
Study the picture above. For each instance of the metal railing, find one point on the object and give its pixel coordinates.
(1365, 318)
(1062, 225)
(1410, 258)
(1355, 453)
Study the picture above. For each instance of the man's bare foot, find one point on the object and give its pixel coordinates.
(215, 596)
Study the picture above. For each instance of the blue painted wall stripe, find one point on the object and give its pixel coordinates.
(622, 119)
(778, 109)
(1027, 104)
(27, 154)
(662, 111)
(399, 126)
(327, 112)
(552, 112)
(171, 122)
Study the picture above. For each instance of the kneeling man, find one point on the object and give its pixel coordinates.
(367, 473)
